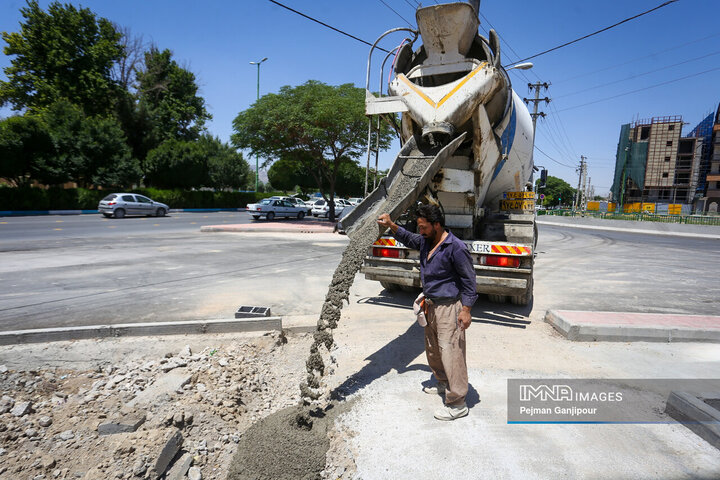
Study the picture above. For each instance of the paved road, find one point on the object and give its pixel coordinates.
(163, 269)
(15, 232)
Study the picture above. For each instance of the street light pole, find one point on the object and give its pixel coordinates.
(257, 169)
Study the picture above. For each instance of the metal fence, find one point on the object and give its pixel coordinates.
(639, 217)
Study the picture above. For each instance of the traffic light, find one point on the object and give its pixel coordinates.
(543, 178)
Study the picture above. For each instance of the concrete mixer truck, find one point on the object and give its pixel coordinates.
(467, 147)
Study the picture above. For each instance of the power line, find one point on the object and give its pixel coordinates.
(638, 75)
(641, 89)
(596, 32)
(548, 156)
(617, 65)
(326, 25)
(396, 13)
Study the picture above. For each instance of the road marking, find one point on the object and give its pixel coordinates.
(156, 225)
(191, 223)
(58, 221)
(58, 229)
(3, 223)
(113, 226)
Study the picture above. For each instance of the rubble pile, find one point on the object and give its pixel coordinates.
(174, 417)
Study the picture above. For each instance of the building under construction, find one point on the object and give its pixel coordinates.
(710, 176)
(655, 164)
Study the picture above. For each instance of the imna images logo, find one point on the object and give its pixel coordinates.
(544, 393)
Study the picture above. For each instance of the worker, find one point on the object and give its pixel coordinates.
(448, 280)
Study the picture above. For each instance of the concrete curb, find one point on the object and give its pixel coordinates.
(42, 335)
(34, 213)
(630, 230)
(695, 414)
(580, 332)
(246, 228)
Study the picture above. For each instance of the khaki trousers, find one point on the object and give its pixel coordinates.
(445, 350)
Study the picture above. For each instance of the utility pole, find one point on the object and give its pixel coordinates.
(582, 170)
(536, 101)
(257, 169)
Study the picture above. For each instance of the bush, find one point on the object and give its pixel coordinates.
(56, 198)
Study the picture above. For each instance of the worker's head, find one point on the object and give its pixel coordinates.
(430, 221)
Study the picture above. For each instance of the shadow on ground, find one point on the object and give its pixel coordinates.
(484, 311)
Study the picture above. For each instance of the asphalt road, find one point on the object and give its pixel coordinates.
(15, 232)
(85, 270)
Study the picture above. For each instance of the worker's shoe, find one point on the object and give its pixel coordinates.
(438, 389)
(451, 412)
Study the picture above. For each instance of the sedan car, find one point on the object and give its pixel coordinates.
(271, 208)
(322, 209)
(120, 204)
(298, 202)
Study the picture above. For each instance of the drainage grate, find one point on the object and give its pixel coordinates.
(248, 311)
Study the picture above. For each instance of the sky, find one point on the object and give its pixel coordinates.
(678, 46)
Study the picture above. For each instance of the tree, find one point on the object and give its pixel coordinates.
(351, 179)
(62, 53)
(88, 150)
(288, 172)
(177, 164)
(320, 125)
(556, 191)
(168, 94)
(25, 144)
(226, 167)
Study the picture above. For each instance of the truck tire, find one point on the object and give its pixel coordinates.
(389, 286)
(525, 298)
(497, 298)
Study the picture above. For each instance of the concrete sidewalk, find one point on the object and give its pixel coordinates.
(639, 327)
(288, 226)
(391, 431)
(629, 226)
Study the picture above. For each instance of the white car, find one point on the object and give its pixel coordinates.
(322, 209)
(271, 208)
(299, 203)
(355, 200)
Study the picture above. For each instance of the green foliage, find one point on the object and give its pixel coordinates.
(226, 167)
(168, 95)
(89, 150)
(555, 189)
(63, 52)
(33, 198)
(320, 126)
(351, 180)
(176, 164)
(287, 173)
(25, 143)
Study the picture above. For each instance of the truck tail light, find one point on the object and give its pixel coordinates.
(499, 261)
(386, 252)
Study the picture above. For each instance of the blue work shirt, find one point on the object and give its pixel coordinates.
(449, 272)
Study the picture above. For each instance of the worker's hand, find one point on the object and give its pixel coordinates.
(385, 221)
(464, 318)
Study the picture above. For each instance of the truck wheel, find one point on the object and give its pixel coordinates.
(525, 298)
(496, 298)
(389, 286)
